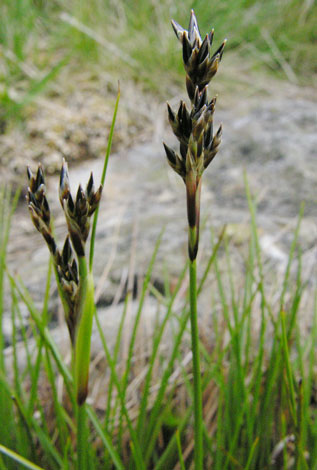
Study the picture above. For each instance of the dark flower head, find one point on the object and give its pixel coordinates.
(39, 207)
(199, 63)
(194, 127)
(194, 131)
(78, 211)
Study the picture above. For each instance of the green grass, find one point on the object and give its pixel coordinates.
(39, 38)
(261, 381)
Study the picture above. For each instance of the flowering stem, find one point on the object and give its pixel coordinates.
(198, 147)
(198, 415)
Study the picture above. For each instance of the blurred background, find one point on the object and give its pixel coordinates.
(60, 64)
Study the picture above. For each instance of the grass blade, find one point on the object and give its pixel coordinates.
(180, 453)
(19, 459)
(105, 439)
(121, 396)
(141, 429)
(102, 182)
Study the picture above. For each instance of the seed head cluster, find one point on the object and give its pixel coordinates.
(193, 127)
(39, 207)
(200, 65)
(77, 213)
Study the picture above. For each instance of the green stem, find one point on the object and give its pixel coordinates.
(198, 415)
(81, 438)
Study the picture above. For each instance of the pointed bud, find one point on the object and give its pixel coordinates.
(74, 270)
(208, 135)
(212, 104)
(193, 30)
(46, 212)
(219, 51)
(204, 50)
(40, 176)
(211, 36)
(81, 202)
(94, 201)
(190, 86)
(211, 152)
(187, 48)
(178, 30)
(199, 125)
(29, 173)
(186, 122)
(171, 114)
(64, 187)
(171, 156)
(200, 98)
(67, 251)
(90, 186)
(183, 150)
(192, 65)
(70, 204)
(199, 151)
(174, 161)
(212, 69)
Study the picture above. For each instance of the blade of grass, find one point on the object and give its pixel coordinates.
(50, 451)
(25, 442)
(170, 451)
(45, 334)
(7, 209)
(19, 459)
(156, 409)
(141, 428)
(180, 453)
(34, 382)
(61, 424)
(121, 395)
(211, 260)
(115, 358)
(105, 439)
(249, 461)
(289, 372)
(168, 455)
(102, 182)
(291, 257)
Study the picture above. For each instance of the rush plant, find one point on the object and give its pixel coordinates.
(74, 279)
(197, 148)
(73, 271)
